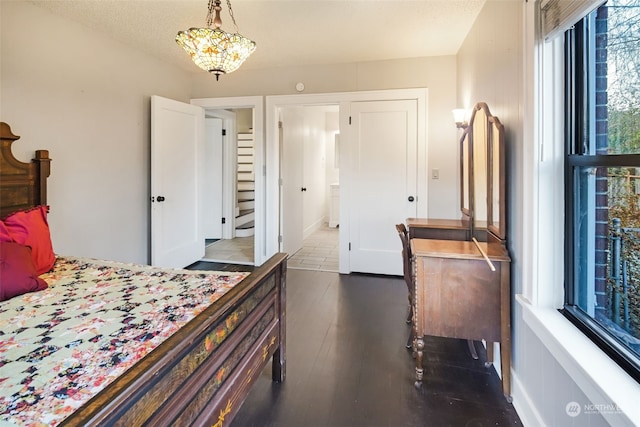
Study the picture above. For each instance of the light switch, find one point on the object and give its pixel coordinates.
(435, 173)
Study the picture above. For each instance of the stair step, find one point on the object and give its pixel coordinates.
(246, 186)
(250, 224)
(245, 167)
(246, 204)
(246, 151)
(246, 195)
(245, 232)
(245, 216)
(246, 176)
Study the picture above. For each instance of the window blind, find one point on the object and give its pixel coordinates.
(559, 15)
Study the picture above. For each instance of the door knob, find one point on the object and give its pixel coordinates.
(303, 189)
(411, 198)
(160, 198)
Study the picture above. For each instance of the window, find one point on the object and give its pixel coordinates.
(602, 179)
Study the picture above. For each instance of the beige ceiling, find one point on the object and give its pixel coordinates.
(287, 32)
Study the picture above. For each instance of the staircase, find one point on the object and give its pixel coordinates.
(245, 210)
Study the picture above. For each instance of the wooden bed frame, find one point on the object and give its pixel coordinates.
(183, 381)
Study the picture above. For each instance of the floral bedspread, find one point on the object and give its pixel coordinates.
(61, 346)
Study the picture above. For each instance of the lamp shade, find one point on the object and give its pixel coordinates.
(215, 50)
(459, 115)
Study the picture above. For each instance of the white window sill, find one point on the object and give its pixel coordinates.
(599, 377)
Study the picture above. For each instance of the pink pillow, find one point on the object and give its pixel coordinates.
(17, 272)
(30, 228)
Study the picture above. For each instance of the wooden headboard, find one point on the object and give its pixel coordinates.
(22, 185)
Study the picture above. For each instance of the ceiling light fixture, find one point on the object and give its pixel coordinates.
(213, 49)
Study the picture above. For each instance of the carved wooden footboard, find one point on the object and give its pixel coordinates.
(203, 373)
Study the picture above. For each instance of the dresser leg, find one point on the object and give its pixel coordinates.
(419, 347)
(472, 349)
(489, 360)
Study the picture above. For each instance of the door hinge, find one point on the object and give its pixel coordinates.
(280, 239)
(349, 245)
(349, 119)
(224, 132)
(280, 125)
(224, 220)
(280, 182)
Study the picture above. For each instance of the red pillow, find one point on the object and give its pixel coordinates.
(17, 272)
(4, 233)
(30, 228)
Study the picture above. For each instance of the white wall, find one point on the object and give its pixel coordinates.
(332, 128)
(86, 99)
(314, 170)
(438, 74)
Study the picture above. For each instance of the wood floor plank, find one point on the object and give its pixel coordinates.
(347, 364)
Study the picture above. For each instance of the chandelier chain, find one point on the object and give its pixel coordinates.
(210, 12)
(232, 17)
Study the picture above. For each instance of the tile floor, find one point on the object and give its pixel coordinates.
(235, 251)
(319, 251)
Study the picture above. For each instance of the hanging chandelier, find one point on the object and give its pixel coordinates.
(213, 49)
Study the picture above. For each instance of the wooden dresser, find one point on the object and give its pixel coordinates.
(458, 295)
(462, 267)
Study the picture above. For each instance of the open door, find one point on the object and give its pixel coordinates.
(292, 162)
(177, 160)
(212, 184)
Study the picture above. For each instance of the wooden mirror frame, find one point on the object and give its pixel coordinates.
(496, 211)
(466, 176)
(482, 175)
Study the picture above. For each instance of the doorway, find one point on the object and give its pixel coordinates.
(233, 105)
(373, 235)
(310, 183)
(231, 156)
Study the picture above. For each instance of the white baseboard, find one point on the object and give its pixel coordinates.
(523, 404)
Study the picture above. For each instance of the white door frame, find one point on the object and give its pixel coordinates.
(343, 100)
(261, 254)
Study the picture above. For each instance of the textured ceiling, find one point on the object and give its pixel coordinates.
(287, 33)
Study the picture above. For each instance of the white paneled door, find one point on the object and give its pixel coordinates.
(292, 162)
(383, 159)
(177, 158)
(212, 183)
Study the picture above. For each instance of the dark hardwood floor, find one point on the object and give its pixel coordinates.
(347, 364)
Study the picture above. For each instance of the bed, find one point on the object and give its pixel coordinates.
(109, 343)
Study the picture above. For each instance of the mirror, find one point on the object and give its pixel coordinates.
(465, 175)
(496, 180)
(482, 174)
(479, 152)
